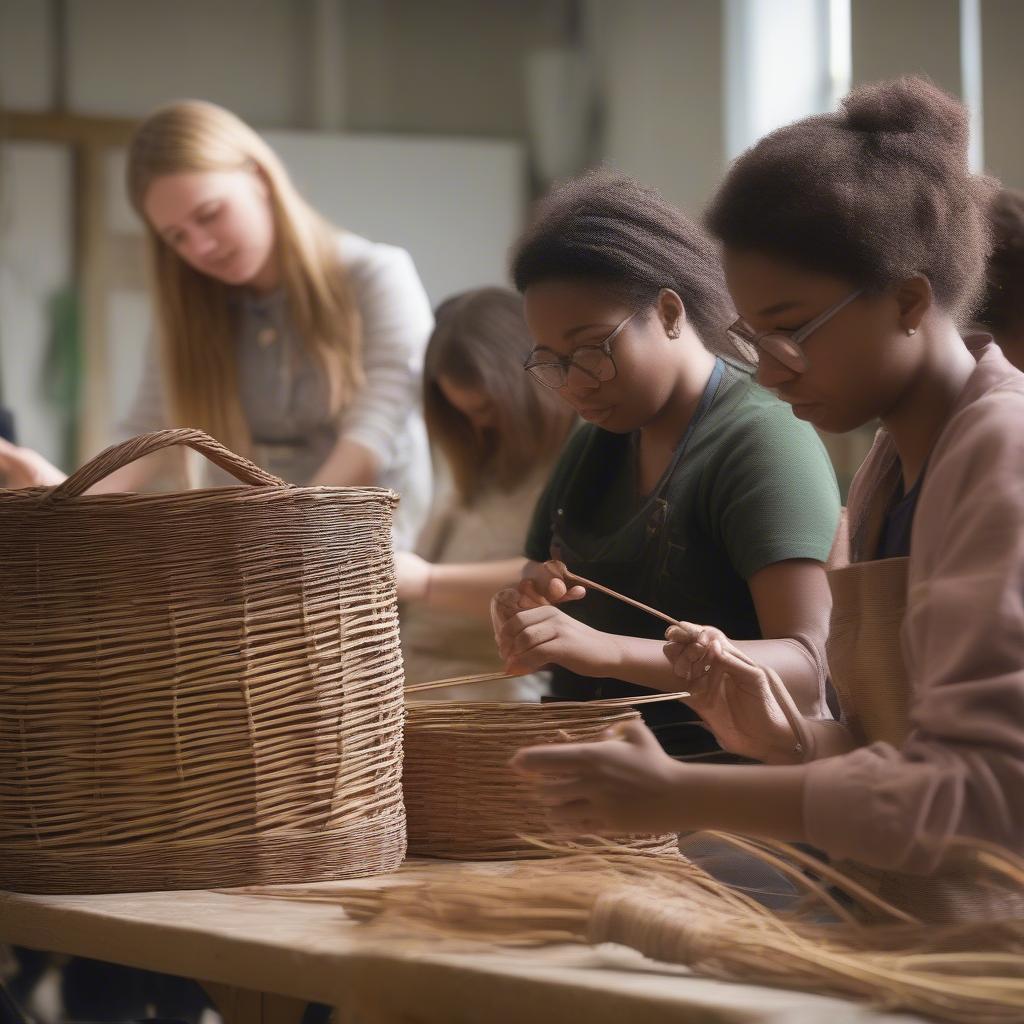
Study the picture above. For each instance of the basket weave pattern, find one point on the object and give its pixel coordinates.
(199, 689)
(462, 800)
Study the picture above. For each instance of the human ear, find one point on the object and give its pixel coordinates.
(914, 298)
(671, 312)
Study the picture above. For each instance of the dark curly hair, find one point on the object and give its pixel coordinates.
(874, 193)
(609, 229)
(1002, 309)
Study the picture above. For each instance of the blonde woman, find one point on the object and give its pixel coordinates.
(288, 340)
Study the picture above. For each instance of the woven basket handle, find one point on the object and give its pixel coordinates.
(119, 455)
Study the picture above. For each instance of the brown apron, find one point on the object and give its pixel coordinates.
(868, 671)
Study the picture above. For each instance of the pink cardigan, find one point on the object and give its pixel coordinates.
(960, 772)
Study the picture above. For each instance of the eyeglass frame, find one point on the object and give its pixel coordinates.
(566, 363)
(792, 354)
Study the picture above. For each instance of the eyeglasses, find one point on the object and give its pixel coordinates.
(787, 346)
(552, 370)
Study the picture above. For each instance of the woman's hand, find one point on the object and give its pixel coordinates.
(529, 638)
(732, 694)
(623, 784)
(693, 650)
(23, 467)
(412, 576)
(548, 583)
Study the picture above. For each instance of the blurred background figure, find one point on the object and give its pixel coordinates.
(498, 437)
(1002, 310)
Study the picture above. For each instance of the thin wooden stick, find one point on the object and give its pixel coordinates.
(622, 597)
(779, 692)
(483, 677)
(628, 702)
(488, 677)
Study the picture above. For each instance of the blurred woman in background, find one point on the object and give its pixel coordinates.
(499, 437)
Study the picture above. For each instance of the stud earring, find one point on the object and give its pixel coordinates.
(911, 331)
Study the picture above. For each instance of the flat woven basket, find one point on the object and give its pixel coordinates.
(198, 689)
(462, 800)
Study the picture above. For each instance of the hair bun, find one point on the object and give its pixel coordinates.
(908, 104)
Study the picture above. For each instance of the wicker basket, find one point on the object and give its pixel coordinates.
(462, 800)
(199, 689)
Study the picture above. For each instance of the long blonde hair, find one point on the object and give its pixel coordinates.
(194, 316)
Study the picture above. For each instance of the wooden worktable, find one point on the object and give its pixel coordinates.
(263, 958)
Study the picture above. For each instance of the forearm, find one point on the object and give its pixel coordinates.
(772, 741)
(636, 660)
(133, 477)
(764, 801)
(827, 738)
(467, 588)
(350, 464)
(643, 662)
(801, 672)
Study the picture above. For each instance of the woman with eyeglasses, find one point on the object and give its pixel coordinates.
(690, 488)
(870, 216)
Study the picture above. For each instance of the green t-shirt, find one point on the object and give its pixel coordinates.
(753, 486)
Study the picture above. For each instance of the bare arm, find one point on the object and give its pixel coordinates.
(627, 783)
(23, 467)
(350, 464)
(792, 602)
(464, 588)
(132, 477)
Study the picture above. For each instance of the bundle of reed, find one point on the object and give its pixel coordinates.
(461, 798)
(671, 910)
(198, 689)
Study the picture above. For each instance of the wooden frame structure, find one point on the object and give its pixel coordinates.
(101, 261)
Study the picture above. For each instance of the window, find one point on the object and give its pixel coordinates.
(783, 61)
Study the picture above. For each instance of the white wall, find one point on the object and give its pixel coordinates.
(442, 66)
(776, 68)
(897, 37)
(437, 67)
(1002, 33)
(128, 56)
(26, 64)
(662, 76)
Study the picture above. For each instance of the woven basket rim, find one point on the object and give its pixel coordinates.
(226, 491)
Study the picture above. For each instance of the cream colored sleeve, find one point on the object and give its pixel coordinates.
(148, 410)
(397, 321)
